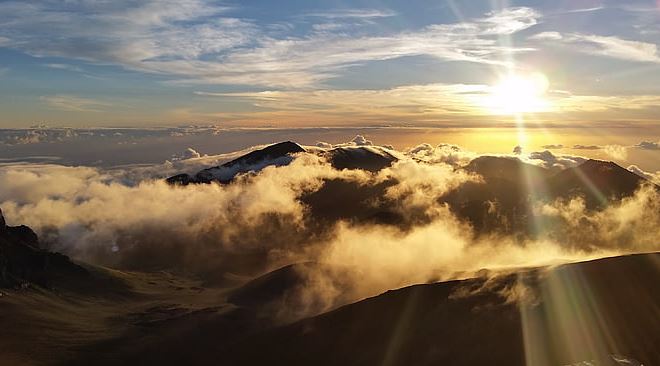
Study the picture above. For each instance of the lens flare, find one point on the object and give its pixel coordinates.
(516, 94)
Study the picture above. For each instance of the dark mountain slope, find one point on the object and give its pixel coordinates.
(369, 158)
(501, 201)
(504, 200)
(592, 312)
(572, 313)
(597, 181)
(23, 263)
(496, 167)
(277, 154)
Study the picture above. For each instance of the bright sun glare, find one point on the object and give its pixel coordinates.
(516, 94)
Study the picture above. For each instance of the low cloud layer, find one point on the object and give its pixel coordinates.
(128, 219)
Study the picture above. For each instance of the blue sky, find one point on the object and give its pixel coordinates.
(293, 63)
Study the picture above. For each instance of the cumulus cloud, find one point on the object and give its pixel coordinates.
(384, 258)
(86, 212)
(443, 153)
(616, 151)
(549, 160)
(189, 153)
(281, 216)
(358, 140)
(624, 225)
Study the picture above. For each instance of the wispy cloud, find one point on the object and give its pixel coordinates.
(604, 103)
(65, 67)
(73, 103)
(303, 62)
(429, 103)
(419, 102)
(648, 145)
(193, 41)
(614, 151)
(553, 147)
(353, 13)
(122, 32)
(582, 10)
(609, 46)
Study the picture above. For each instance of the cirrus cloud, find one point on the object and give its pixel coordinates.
(195, 41)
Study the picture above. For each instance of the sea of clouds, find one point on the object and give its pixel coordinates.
(130, 218)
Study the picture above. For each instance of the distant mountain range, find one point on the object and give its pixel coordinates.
(354, 157)
(510, 188)
(501, 201)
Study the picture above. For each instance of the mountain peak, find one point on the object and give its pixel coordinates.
(604, 168)
(277, 150)
(275, 154)
(596, 162)
(598, 181)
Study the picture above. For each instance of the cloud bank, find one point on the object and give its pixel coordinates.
(308, 211)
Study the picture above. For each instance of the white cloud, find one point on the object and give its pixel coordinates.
(188, 154)
(555, 36)
(72, 103)
(549, 160)
(616, 151)
(353, 13)
(123, 32)
(64, 67)
(509, 21)
(93, 216)
(191, 40)
(609, 46)
(443, 153)
(653, 177)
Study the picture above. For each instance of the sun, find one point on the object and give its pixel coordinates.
(516, 94)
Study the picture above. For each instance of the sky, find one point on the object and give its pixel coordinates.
(462, 64)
